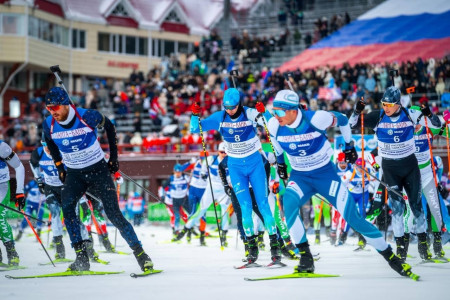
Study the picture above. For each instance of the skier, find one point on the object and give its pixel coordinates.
(394, 128)
(197, 187)
(342, 167)
(429, 188)
(70, 134)
(219, 195)
(178, 190)
(236, 124)
(34, 203)
(7, 194)
(355, 179)
(301, 134)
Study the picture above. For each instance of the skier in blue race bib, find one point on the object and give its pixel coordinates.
(237, 124)
(301, 135)
(70, 134)
(394, 127)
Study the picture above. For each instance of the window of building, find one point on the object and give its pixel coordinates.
(116, 43)
(173, 17)
(103, 42)
(33, 27)
(183, 47)
(78, 39)
(120, 11)
(12, 24)
(130, 44)
(143, 46)
(168, 47)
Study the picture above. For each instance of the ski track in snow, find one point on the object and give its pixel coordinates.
(194, 272)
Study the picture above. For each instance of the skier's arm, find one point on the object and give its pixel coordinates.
(8, 155)
(52, 147)
(433, 121)
(34, 163)
(323, 120)
(272, 127)
(223, 172)
(209, 123)
(370, 120)
(97, 120)
(254, 115)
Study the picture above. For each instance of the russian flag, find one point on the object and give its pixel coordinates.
(394, 31)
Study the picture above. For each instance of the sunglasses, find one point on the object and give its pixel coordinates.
(54, 107)
(386, 104)
(222, 152)
(228, 107)
(279, 112)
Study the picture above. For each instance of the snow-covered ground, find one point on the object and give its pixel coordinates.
(194, 272)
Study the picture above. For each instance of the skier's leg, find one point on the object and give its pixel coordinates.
(5, 229)
(260, 189)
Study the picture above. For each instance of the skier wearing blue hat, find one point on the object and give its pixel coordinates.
(301, 135)
(236, 123)
(71, 134)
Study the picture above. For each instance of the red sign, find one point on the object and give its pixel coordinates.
(122, 64)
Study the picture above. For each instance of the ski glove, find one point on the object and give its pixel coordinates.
(360, 105)
(196, 109)
(41, 185)
(443, 191)
(276, 187)
(260, 107)
(350, 153)
(228, 190)
(446, 115)
(425, 109)
(118, 178)
(61, 171)
(282, 171)
(113, 166)
(20, 201)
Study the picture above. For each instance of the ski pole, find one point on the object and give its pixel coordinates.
(48, 229)
(38, 238)
(97, 226)
(380, 181)
(287, 77)
(115, 230)
(143, 188)
(210, 182)
(385, 213)
(320, 213)
(270, 141)
(25, 214)
(448, 150)
(363, 161)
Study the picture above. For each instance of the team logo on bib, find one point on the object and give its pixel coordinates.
(65, 142)
(292, 146)
(390, 132)
(50, 168)
(230, 131)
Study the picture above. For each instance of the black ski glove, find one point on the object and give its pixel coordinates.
(443, 191)
(61, 171)
(20, 201)
(41, 185)
(113, 165)
(350, 153)
(228, 190)
(425, 109)
(282, 171)
(360, 105)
